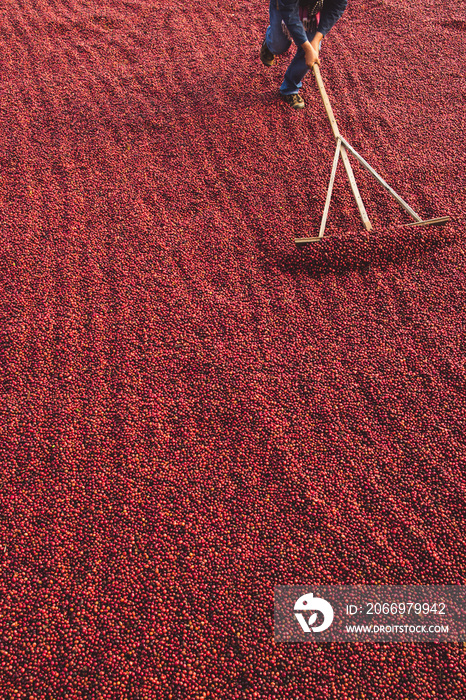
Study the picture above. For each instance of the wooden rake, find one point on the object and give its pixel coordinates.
(341, 151)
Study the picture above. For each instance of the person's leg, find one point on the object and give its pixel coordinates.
(277, 42)
(297, 69)
(293, 80)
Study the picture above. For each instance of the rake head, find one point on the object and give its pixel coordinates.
(439, 221)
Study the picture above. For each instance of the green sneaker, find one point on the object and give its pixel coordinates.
(295, 100)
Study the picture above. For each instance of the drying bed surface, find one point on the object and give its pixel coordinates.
(193, 410)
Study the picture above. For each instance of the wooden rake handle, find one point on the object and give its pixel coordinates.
(326, 101)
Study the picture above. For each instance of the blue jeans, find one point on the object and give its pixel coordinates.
(277, 42)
